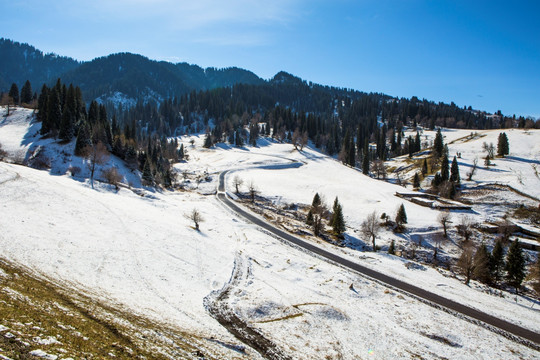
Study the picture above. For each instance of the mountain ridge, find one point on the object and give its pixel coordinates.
(133, 75)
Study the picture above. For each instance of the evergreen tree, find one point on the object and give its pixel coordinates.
(26, 93)
(401, 218)
(239, 140)
(417, 142)
(392, 248)
(309, 218)
(438, 144)
(437, 181)
(147, 176)
(338, 222)
(503, 147)
(424, 167)
(181, 153)
(54, 110)
(496, 263)
(416, 181)
(66, 126)
(84, 139)
(454, 171)
(42, 109)
(93, 113)
(207, 141)
(515, 265)
(14, 93)
(481, 262)
(365, 161)
(316, 201)
(445, 169)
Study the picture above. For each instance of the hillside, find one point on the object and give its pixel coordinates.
(137, 251)
(21, 62)
(118, 76)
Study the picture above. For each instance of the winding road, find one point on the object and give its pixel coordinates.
(505, 328)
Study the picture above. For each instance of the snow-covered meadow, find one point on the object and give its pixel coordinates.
(141, 253)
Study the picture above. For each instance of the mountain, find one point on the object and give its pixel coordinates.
(135, 76)
(124, 75)
(21, 62)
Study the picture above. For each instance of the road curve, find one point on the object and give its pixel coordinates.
(525, 336)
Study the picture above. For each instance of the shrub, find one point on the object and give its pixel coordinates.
(112, 176)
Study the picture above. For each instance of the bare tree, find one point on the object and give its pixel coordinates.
(466, 263)
(237, 182)
(317, 224)
(196, 217)
(464, 228)
(443, 219)
(489, 149)
(470, 174)
(299, 140)
(8, 101)
(252, 191)
(96, 154)
(379, 169)
(371, 227)
(112, 176)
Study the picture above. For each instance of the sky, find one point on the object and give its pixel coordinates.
(485, 54)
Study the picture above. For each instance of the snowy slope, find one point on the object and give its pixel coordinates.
(141, 253)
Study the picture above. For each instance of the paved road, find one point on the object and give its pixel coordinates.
(533, 338)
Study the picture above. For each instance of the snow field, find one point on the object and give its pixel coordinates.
(143, 254)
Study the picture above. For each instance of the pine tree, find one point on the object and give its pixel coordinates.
(365, 161)
(309, 218)
(66, 126)
(338, 223)
(503, 147)
(481, 264)
(438, 144)
(454, 171)
(445, 169)
(147, 176)
(424, 167)
(42, 109)
(401, 218)
(416, 181)
(93, 113)
(84, 139)
(392, 248)
(207, 141)
(515, 265)
(316, 201)
(14, 93)
(181, 153)
(54, 110)
(437, 181)
(496, 263)
(26, 93)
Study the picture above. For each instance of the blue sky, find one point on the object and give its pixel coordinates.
(480, 53)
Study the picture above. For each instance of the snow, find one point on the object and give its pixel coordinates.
(141, 253)
(43, 354)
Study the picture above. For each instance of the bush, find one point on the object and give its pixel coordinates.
(112, 176)
(39, 160)
(74, 170)
(3, 153)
